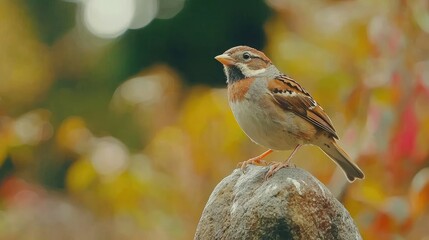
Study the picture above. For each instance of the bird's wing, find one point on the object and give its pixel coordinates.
(289, 95)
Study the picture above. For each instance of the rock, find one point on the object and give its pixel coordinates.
(291, 205)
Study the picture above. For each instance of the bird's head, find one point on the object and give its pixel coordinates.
(243, 62)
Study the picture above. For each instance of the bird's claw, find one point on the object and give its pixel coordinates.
(253, 161)
(274, 167)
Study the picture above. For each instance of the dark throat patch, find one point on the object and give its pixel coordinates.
(234, 74)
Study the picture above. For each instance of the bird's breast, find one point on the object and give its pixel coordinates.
(265, 126)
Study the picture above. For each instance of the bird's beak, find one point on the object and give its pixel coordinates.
(225, 59)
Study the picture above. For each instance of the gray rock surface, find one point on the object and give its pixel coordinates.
(291, 205)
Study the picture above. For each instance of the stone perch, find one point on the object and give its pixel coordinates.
(291, 205)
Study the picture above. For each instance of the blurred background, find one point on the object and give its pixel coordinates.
(114, 122)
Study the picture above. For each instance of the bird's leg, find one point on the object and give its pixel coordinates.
(279, 165)
(255, 160)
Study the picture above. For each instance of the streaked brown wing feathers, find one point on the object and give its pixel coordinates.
(292, 97)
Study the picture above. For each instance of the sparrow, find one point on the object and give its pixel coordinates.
(276, 112)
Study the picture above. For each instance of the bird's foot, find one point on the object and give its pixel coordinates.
(274, 167)
(253, 161)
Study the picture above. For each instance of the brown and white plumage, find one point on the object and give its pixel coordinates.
(276, 112)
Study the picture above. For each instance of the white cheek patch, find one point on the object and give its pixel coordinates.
(225, 70)
(249, 72)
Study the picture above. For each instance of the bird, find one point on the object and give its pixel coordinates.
(275, 111)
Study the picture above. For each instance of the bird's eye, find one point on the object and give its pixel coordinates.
(246, 56)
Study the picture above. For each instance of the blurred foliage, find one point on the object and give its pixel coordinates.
(124, 138)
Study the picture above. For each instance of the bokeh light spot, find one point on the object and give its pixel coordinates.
(145, 12)
(109, 156)
(33, 127)
(169, 8)
(141, 90)
(108, 18)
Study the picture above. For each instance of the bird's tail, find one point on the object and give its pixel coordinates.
(334, 151)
